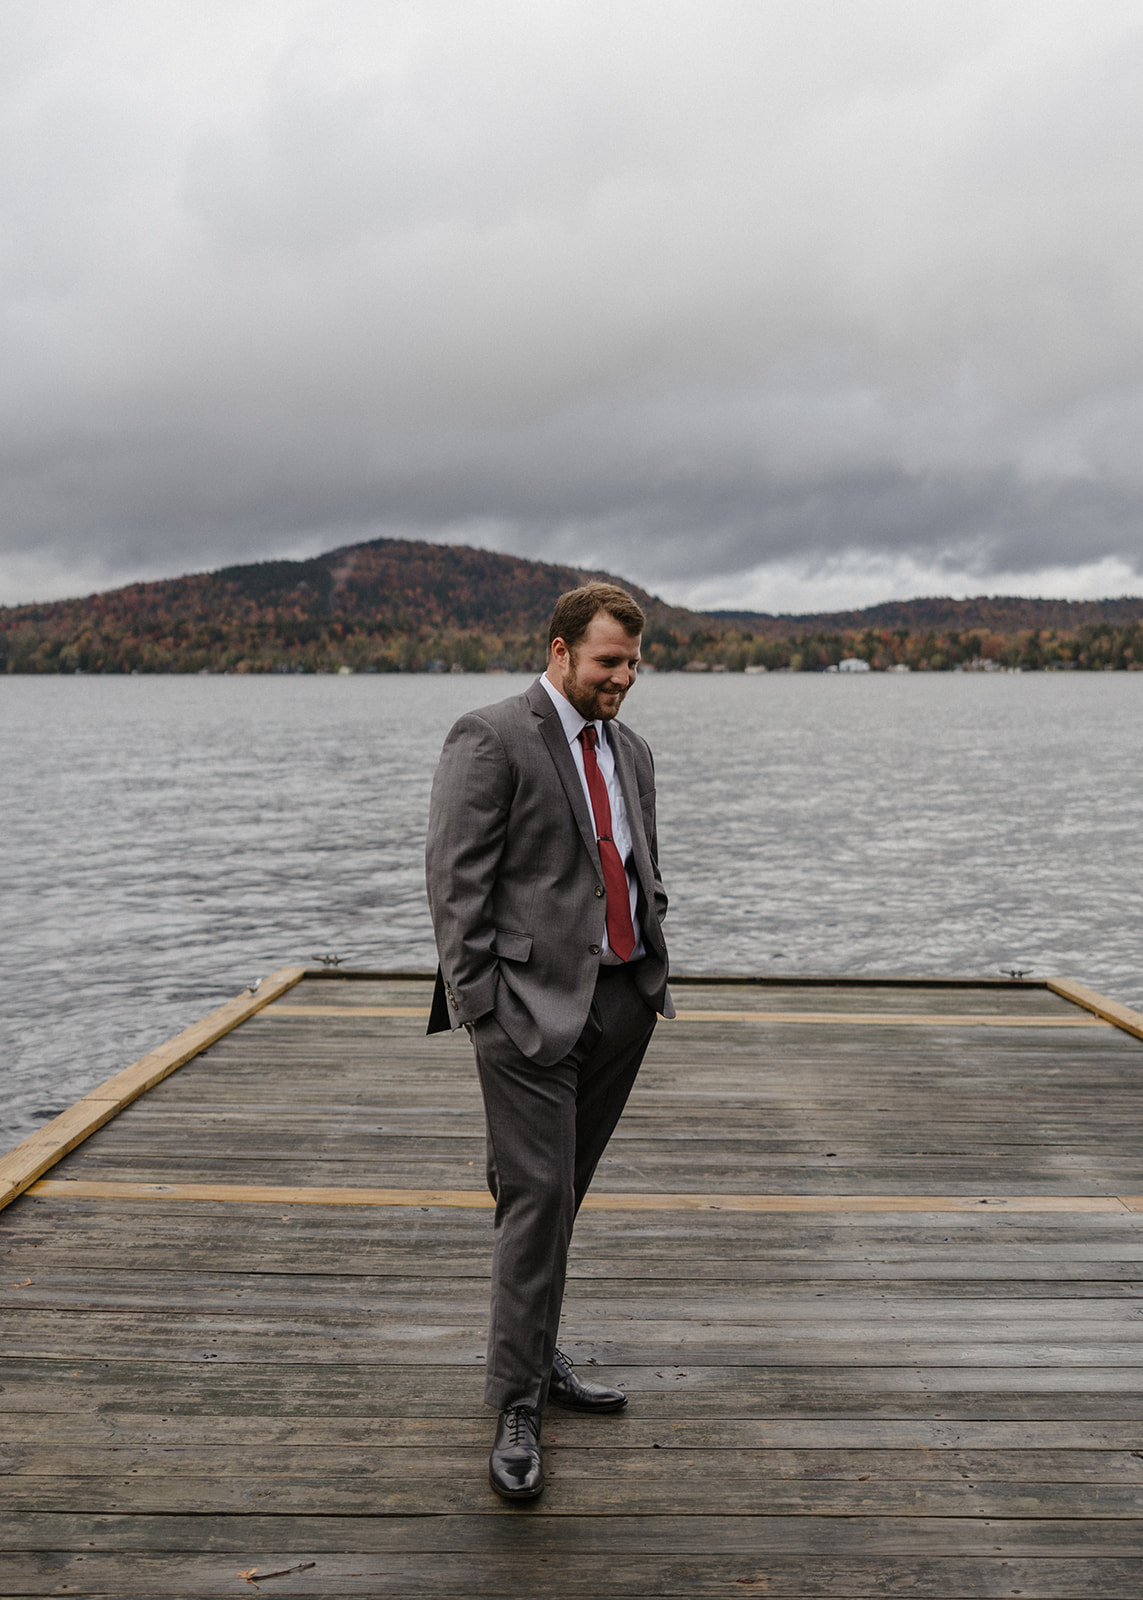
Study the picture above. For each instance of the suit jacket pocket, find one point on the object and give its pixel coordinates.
(510, 946)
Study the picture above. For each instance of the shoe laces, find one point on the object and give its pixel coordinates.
(521, 1424)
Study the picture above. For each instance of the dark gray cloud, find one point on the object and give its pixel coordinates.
(802, 302)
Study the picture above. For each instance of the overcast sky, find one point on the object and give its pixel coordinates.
(780, 303)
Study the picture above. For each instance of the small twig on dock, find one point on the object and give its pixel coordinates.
(252, 1575)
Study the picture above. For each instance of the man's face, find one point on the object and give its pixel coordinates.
(596, 674)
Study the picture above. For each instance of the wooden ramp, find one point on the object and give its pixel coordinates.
(868, 1258)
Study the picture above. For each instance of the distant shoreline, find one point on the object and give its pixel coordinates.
(982, 668)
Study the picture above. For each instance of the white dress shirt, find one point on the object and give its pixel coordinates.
(573, 725)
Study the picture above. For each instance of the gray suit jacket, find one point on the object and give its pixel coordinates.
(514, 880)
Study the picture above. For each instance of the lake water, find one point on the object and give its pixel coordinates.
(168, 840)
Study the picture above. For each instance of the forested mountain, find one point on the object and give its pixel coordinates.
(404, 605)
(390, 604)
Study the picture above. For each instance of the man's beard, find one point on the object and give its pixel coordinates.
(589, 702)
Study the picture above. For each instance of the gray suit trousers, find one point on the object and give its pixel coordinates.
(547, 1128)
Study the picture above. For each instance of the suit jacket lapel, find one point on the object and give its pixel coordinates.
(552, 730)
(625, 772)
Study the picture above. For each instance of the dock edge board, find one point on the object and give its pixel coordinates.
(759, 980)
(1110, 1010)
(29, 1160)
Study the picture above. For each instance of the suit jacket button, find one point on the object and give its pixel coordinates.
(594, 949)
(599, 891)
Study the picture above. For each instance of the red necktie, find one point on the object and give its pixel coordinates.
(620, 933)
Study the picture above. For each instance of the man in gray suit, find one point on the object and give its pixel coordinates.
(547, 906)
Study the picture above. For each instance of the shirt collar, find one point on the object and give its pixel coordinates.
(572, 721)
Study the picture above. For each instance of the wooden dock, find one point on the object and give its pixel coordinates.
(868, 1257)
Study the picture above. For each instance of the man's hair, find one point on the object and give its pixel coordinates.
(575, 610)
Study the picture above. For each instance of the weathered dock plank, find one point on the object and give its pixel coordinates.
(867, 1256)
(580, 1574)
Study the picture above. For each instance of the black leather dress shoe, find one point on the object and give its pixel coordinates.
(516, 1465)
(565, 1389)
